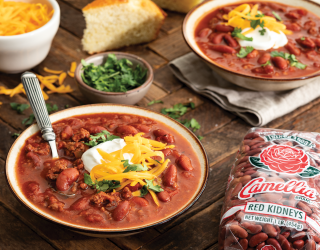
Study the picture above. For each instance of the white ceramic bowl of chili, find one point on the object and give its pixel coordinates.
(191, 22)
(22, 52)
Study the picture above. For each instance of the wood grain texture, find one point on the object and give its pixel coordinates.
(16, 235)
(165, 79)
(173, 22)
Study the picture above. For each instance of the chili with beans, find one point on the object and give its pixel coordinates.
(216, 40)
(40, 177)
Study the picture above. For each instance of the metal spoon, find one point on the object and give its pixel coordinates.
(33, 91)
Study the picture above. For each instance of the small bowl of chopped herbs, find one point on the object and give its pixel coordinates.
(114, 77)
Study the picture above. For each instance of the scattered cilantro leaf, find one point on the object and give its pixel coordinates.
(200, 137)
(15, 135)
(267, 63)
(114, 75)
(276, 15)
(154, 102)
(245, 51)
(133, 167)
(19, 107)
(66, 106)
(237, 33)
(29, 120)
(96, 139)
(192, 105)
(52, 108)
(191, 124)
(291, 57)
(262, 31)
(302, 38)
(176, 111)
(150, 186)
(144, 191)
(103, 185)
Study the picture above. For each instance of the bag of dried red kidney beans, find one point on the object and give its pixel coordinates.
(272, 197)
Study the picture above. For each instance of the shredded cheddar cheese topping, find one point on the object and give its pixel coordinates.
(142, 151)
(18, 17)
(242, 16)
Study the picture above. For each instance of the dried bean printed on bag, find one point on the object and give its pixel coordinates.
(272, 199)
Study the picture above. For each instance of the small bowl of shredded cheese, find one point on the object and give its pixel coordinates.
(27, 29)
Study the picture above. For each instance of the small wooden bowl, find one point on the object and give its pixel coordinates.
(130, 97)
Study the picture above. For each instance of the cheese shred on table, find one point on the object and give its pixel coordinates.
(142, 150)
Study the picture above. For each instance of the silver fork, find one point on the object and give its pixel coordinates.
(33, 91)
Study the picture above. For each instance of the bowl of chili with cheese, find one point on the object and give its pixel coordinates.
(259, 45)
(121, 169)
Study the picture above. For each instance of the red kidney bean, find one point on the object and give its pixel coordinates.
(274, 243)
(306, 42)
(204, 32)
(286, 234)
(264, 58)
(230, 240)
(277, 7)
(304, 208)
(280, 62)
(223, 28)
(95, 129)
(127, 130)
(253, 151)
(163, 135)
(94, 218)
(217, 39)
(223, 49)
(302, 12)
(270, 230)
(230, 41)
(310, 245)
(142, 127)
(169, 178)
(236, 190)
(243, 243)
(262, 244)
(121, 211)
(142, 202)
(293, 26)
(309, 24)
(238, 231)
(251, 228)
(312, 55)
(257, 239)
(292, 15)
(293, 49)
(298, 244)
(66, 178)
(164, 196)
(184, 162)
(250, 172)
(297, 236)
(284, 243)
(80, 204)
(252, 135)
(254, 53)
(66, 133)
(268, 69)
(317, 42)
(134, 188)
(167, 151)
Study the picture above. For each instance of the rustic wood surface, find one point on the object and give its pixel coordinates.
(222, 131)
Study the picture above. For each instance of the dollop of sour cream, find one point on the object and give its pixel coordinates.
(91, 157)
(269, 40)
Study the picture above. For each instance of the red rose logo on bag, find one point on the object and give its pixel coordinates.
(285, 159)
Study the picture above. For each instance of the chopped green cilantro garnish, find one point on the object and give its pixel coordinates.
(200, 137)
(292, 59)
(245, 51)
(114, 75)
(262, 31)
(133, 167)
(100, 138)
(150, 186)
(19, 107)
(255, 23)
(267, 63)
(177, 110)
(191, 123)
(28, 121)
(237, 33)
(276, 15)
(15, 135)
(303, 38)
(103, 185)
(154, 102)
(52, 108)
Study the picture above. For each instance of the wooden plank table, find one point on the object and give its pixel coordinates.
(222, 131)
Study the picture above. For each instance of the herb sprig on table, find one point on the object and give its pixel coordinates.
(114, 75)
(19, 107)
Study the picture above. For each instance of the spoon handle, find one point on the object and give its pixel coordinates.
(33, 91)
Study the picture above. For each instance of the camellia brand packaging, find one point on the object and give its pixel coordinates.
(272, 198)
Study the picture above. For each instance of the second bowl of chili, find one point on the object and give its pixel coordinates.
(264, 46)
